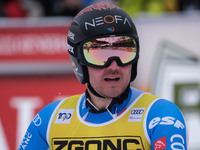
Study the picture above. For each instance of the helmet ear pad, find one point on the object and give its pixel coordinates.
(80, 71)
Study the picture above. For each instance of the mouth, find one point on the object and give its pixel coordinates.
(112, 79)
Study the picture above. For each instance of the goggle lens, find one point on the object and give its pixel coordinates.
(98, 51)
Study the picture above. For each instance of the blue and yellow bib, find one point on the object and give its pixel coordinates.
(68, 131)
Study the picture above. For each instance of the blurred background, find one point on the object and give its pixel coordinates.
(35, 68)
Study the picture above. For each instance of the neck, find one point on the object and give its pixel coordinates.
(100, 103)
(92, 90)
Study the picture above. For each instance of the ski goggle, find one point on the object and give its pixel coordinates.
(101, 51)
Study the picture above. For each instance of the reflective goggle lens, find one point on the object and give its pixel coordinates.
(98, 51)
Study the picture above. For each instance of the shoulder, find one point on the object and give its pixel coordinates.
(38, 128)
(45, 114)
(163, 107)
(56, 104)
(50, 107)
(162, 111)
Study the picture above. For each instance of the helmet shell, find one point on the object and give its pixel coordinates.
(98, 20)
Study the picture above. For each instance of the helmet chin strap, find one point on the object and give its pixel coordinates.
(89, 86)
(122, 97)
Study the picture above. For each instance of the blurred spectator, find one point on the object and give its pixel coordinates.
(13, 8)
(2, 14)
(90, 2)
(20, 8)
(61, 7)
(133, 7)
(171, 5)
(38, 8)
(67, 7)
(158, 6)
(33, 8)
(189, 5)
(181, 5)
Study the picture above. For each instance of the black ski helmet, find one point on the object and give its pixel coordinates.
(98, 20)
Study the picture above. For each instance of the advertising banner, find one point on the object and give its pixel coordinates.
(35, 70)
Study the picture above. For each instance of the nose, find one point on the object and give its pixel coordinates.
(113, 65)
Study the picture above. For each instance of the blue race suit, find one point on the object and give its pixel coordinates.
(142, 121)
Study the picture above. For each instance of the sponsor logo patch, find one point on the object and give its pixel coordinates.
(64, 116)
(75, 67)
(160, 144)
(99, 143)
(70, 48)
(111, 29)
(136, 115)
(37, 120)
(71, 35)
(177, 142)
(166, 121)
(108, 19)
